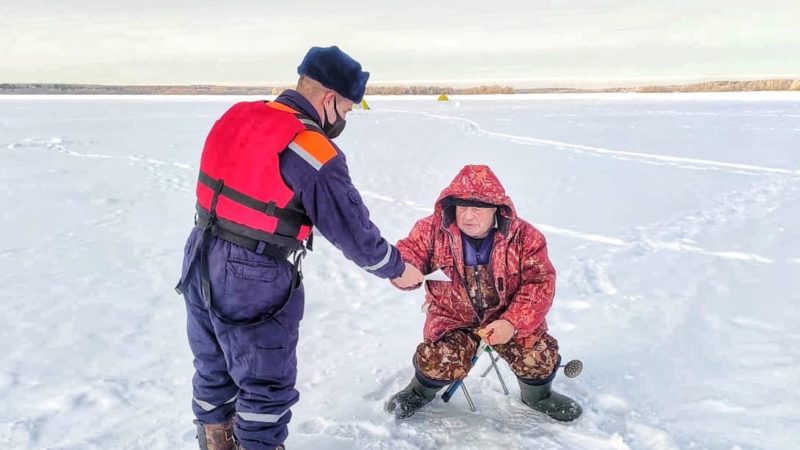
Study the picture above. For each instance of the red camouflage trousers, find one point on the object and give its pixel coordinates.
(448, 359)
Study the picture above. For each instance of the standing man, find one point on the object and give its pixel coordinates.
(268, 173)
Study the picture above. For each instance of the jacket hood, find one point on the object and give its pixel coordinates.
(476, 183)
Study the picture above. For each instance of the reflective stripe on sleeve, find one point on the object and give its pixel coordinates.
(313, 147)
(383, 262)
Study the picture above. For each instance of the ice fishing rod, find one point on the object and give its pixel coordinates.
(456, 384)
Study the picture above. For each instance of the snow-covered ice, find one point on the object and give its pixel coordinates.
(673, 222)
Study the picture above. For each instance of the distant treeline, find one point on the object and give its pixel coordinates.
(56, 88)
(437, 90)
(729, 86)
(89, 89)
(709, 86)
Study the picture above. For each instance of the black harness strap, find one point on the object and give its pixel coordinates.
(210, 229)
(205, 281)
(202, 241)
(270, 209)
(256, 241)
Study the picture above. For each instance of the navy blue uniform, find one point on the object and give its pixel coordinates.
(251, 370)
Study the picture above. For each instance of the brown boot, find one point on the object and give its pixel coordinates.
(216, 436)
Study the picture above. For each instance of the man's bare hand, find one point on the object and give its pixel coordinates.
(497, 332)
(410, 279)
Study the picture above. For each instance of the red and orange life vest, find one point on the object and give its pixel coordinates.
(240, 163)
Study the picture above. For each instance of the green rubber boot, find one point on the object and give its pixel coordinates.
(541, 398)
(408, 401)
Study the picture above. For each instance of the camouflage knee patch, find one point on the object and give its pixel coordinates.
(536, 363)
(447, 359)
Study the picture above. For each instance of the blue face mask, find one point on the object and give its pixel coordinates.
(335, 128)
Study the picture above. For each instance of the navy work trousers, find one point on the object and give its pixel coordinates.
(247, 370)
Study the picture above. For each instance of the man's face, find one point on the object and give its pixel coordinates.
(333, 103)
(475, 222)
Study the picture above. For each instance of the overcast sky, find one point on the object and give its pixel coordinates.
(530, 42)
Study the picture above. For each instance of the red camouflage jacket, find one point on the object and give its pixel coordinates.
(523, 275)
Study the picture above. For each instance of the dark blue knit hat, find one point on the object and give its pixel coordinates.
(335, 70)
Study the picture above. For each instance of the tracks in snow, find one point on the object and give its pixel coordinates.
(670, 236)
(472, 127)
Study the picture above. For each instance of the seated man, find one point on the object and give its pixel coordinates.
(502, 285)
